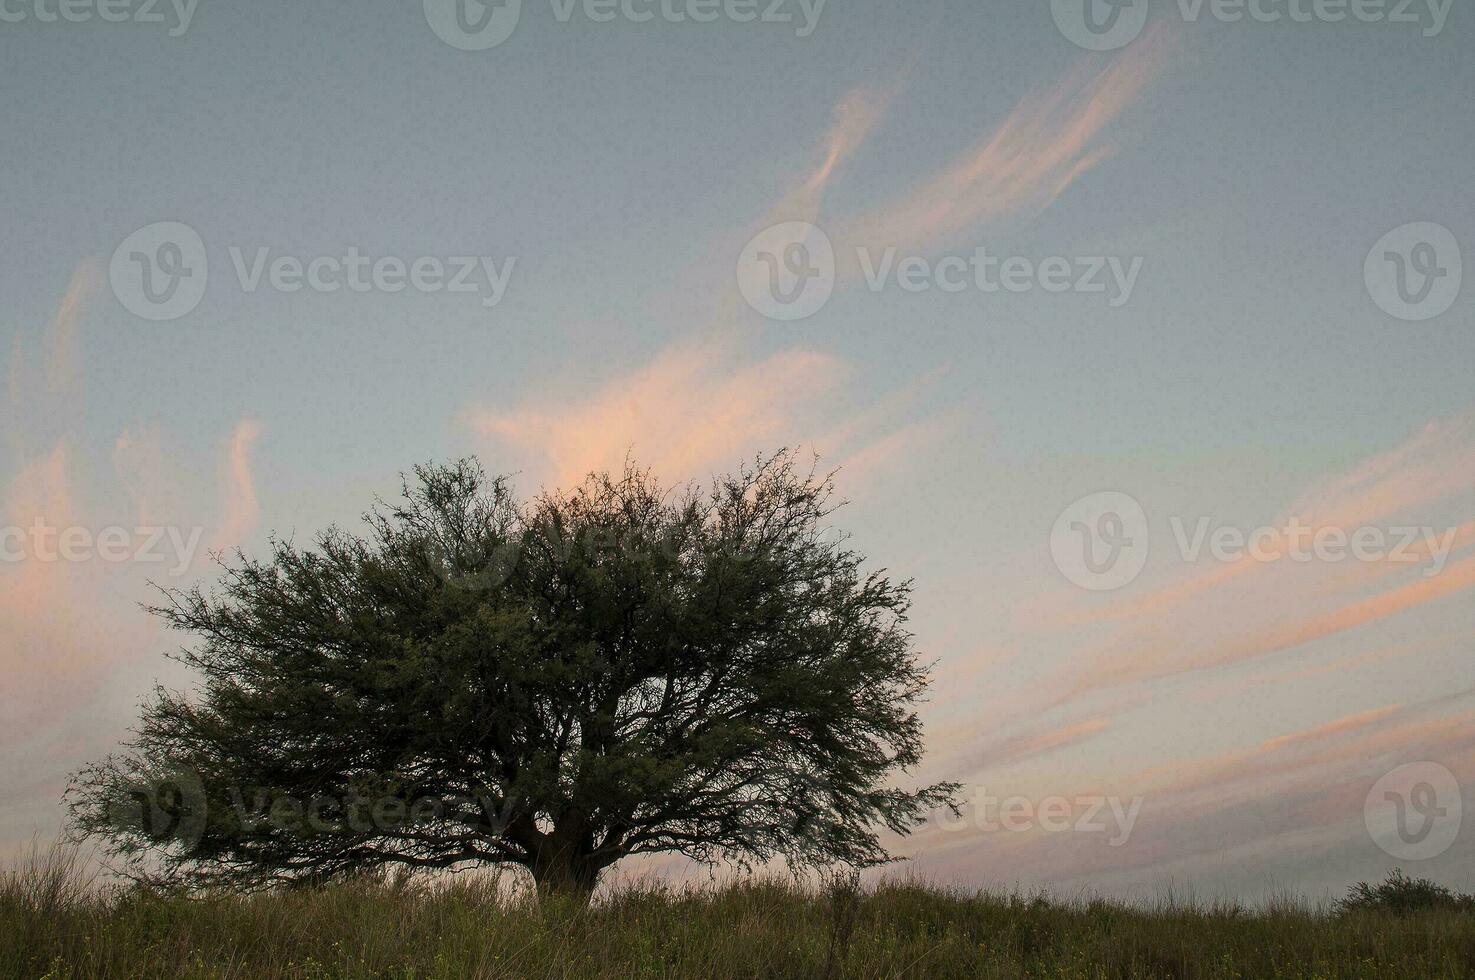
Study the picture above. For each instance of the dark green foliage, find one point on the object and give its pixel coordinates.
(555, 684)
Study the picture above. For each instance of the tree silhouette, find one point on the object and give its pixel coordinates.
(557, 684)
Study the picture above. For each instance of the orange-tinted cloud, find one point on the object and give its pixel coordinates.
(241, 509)
(1232, 612)
(1024, 746)
(1049, 140)
(1340, 726)
(40, 493)
(690, 411)
(1436, 463)
(1295, 792)
(1148, 655)
(71, 618)
(854, 119)
(138, 460)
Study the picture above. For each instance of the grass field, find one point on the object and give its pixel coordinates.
(54, 922)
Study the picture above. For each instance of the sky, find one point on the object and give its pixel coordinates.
(1143, 349)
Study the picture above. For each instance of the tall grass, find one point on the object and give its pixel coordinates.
(56, 922)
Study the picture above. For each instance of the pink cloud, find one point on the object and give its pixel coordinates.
(1023, 747)
(690, 411)
(1436, 463)
(241, 510)
(1237, 611)
(1048, 141)
(1291, 793)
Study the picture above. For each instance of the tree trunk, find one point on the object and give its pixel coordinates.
(562, 872)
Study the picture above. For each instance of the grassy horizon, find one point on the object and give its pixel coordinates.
(56, 921)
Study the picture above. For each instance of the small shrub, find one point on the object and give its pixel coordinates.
(1400, 894)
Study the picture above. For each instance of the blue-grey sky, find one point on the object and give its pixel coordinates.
(1251, 370)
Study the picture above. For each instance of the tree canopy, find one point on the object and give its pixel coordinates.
(555, 683)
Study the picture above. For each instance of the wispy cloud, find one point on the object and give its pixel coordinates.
(1045, 144)
(62, 352)
(241, 508)
(689, 411)
(1021, 747)
(1210, 616)
(72, 622)
(701, 403)
(1436, 463)
(1293, 792)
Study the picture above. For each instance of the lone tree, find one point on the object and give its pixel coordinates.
(555, 684)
